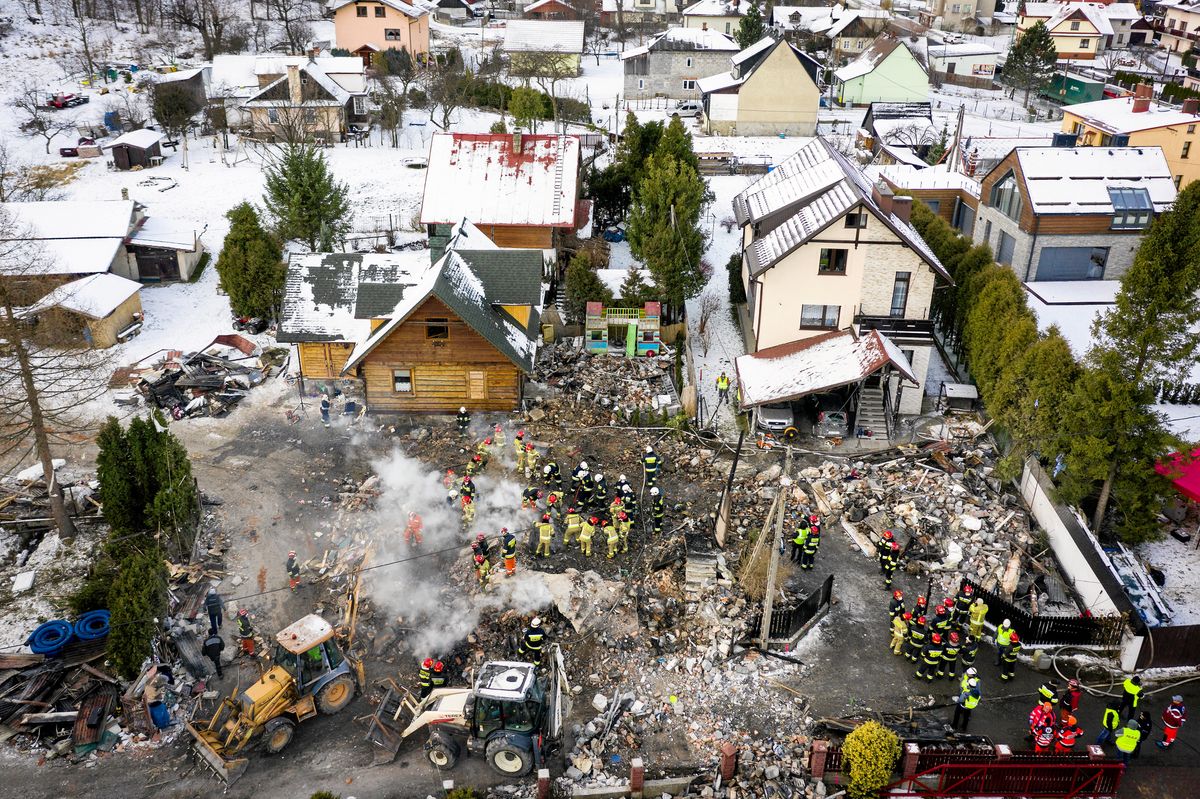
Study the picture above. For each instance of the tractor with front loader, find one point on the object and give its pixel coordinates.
(513, 716)
(308, 675)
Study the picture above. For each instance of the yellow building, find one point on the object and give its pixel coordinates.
(367, 26)
(1139, 121)
(1077, 29)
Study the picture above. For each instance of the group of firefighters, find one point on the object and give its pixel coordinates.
(432, 673)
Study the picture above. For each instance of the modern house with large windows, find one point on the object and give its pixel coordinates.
(1072, 213)
(825, 250)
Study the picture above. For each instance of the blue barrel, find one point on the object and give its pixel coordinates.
(50, 638)
(160, 715)
(92, 625)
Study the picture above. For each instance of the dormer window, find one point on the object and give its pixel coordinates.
(1132, 209)
(1006, 197)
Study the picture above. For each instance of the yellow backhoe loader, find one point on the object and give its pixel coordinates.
(308, 675)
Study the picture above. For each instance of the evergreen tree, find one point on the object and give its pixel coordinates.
(999, 326)
(583, 286)
(737, 289)
(120, 501)
(939, 147)
(174, 108)
(634, 290)
(526, 106)
(677, 142)
(1031, 60)
(664, 227)
(137, 598)
(639, 142)
(305, 201)
(751, 29)
(173, 508)
(250, 266)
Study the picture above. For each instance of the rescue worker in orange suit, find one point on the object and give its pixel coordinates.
(412, 533)
(245, 632)
(293, 570)
(508, 550)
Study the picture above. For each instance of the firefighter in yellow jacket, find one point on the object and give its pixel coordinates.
(586, 531)
(612, 538)
(574, 523)
(545, 536)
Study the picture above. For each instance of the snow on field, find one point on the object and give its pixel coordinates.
(1180, 563)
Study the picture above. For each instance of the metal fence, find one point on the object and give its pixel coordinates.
(788, 620)
(1050, 630)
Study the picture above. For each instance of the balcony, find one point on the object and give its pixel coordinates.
(896, 327)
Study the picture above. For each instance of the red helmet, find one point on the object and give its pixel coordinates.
(895, 547)
(551, 499)
(521, 433)
(478, 559)
(623, 516)
(593, 520)
(898, 594)
(498, 428)
(920, 620)
(503, 531)
(920, 601)
(449, 471)
(968, 590)
(529, 447)
(243, 612)
(937, 638)
(813, 518)
(292, 554)
(477, 458)
(488, 441)
(545, 517)
(941, 610)
(948, 602)
(1014, 638)
(887, 535)
(570, 510)
(427, 663)
(954, 638)
(439, 666)
(907, 616)
(467, 477)
(480, 537)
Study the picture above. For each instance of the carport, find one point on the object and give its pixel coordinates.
(788, 372)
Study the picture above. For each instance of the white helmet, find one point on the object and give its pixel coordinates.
(971, 672)
(972, 682)
(622, 478)
(1006, 623)
(463, 409)
(654, 492)
(546, 469)
(583, 465)
(649, 449)
(537, 622)
(599, 478)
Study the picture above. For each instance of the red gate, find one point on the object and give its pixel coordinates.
(1019, 778)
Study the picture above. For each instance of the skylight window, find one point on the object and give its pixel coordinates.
(1132, 209)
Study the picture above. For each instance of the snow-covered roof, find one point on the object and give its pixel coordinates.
(815, 365)
(543, 36)
(722, 80)
(238, 75)
(334, 297)
(749, 60)
(155, 231)
(1072, 306)
(1116, 115)
(1076, 180)
(683, 39)
(804, 194)
(905, 154)
(844, 21)
(541, 4)
(807, 18)
(871, 58)
(1057, 13)
(961, 50)
(179, 75)
(94, 296)
(501, 179)
(277, 93)
(903, 176)
(717, 8)
(475, 284)
(905, 130)
(403, 8)
(143, 139)
(761, 46)
(76, 236)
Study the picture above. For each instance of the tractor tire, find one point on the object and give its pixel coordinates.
(277, 734)
(335, 695)
(509, 760)
(442, 753)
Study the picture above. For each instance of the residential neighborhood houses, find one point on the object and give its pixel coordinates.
(496, 371)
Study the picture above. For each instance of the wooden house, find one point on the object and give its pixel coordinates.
(102, 309)
(520, 190)
(420, 337)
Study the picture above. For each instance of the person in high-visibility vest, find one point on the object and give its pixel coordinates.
(483, 570)
(1067, 735)
(574, 523)
(798, 540)
(245, 632)
(468, 512)
(1010, 657)
(586, 531)
(896, 607)
(1132, 695)
(531, 460)
(1043, 737)
(916, 638)
(519, 449)
(508, 550)
(967, 701)
(977, 615)
(424, 677)
(545, 536)
(931, 657)
(1173, 718)
(1004, 635)
(899, 632)
(722, 388)
(950, 656)
(624, 525)
(966, 655)
(464, 421)
(1110, 723)
(438, 678)
(1128, 739)
(612, 537)
(498, 436)
(650, 465)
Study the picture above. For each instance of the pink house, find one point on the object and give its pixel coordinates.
(367, 26)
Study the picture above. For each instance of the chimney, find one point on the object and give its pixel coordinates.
(1141, 105)
(902, 207)
(516, 142)
(1191, 105)
(294, 90)
(703, 26)
(883, 196)
(1143, 90)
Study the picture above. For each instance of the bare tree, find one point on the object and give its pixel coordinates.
(448, 84)
(595, 37)
(131, 107)
(46, 372)
(214, 20)
(294, 18)
(24, 182)
(548, 70)
(38, 119)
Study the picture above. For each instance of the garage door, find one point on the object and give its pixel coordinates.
(156, 266)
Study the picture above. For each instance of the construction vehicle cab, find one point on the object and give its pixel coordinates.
(511, 717)
(308, 675)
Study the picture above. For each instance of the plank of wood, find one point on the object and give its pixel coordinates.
(48, 718)
(822, 502)
(19, 661)
(1012, 573)
(863, 542)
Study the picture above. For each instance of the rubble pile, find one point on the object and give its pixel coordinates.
(204, 383)
(609, 384)
(941, 502)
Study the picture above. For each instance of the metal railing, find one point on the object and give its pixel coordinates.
(1050, 630)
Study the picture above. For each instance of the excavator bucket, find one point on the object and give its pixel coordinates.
(208, 747)
(386, 731)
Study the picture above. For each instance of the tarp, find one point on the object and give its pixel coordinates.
(1183, 472)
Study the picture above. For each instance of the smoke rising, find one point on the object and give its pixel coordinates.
(417, 594)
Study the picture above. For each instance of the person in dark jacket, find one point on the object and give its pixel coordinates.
(212, 650)
(216, 610)
(1146, 725)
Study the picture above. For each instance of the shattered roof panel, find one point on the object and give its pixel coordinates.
(814, 365)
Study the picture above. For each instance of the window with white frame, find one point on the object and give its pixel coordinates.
(402, 381)
(825, 316)
(359, 105)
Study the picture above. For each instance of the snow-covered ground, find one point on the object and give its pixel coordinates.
(1180, 563)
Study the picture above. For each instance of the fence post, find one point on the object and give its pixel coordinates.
(912, 753)
(728, 761)
(1095, 752)
(637, 778)
(1003, 753)
(816, 759)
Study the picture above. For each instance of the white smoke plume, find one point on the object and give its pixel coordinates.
(412, 592)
